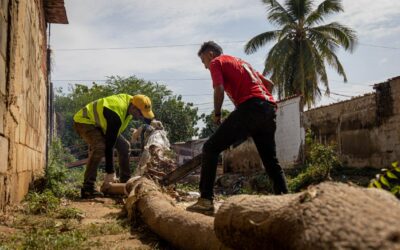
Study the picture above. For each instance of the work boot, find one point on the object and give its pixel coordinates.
(203, 206)
(89, 193)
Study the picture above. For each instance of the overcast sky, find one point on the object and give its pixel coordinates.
(145, 28)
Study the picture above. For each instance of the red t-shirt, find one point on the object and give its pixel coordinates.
(241, 82)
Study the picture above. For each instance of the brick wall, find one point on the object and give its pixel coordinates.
(23, 93)
(366, 129)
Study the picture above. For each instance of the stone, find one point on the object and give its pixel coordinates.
(3, 37)
(4, 8)
(4, 154)
(2, 112)
(2, 79)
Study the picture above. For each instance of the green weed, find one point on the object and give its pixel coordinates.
(388, 179)
(42, 203)
(187, 187)
(110, 228)
(69, 213)
(321, 160)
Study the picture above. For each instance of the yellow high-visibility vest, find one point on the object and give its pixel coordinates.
(93, 112)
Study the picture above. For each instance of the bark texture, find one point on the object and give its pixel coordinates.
(182, 229)
(327, 216)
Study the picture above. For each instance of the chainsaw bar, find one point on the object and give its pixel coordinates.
(182, 171)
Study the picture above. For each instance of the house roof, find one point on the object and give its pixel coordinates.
(55, 11)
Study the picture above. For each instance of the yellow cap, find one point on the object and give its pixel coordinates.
(143, 103)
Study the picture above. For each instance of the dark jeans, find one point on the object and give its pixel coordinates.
(97, 145)
(255, 118)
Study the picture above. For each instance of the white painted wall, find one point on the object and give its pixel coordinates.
(289, 135)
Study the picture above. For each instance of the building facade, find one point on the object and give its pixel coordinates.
(24, 88)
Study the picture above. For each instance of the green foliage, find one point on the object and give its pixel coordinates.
(111, 228)
(42, 203)
(297, 61)
(187, 187)
(69, 213)
(179, 118)
(388, 179)
(58, 178)
(47, 238)
(321, 160)
(210, 126)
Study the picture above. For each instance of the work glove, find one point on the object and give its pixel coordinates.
(217, 119)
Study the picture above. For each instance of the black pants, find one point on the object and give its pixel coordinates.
(255, 118)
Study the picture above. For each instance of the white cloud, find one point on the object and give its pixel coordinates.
(127, 23)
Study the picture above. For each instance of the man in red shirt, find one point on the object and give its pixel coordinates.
(254, 116)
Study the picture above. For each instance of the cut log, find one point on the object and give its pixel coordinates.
(184, 230)
(327, 216)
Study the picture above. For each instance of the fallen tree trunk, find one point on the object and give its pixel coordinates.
(182, 229)
(327, 216)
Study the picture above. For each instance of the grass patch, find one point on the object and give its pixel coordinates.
(111, 228)
(46, 238)
(42, 203)
(70, 213)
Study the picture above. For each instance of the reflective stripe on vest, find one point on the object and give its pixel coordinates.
(96, 114)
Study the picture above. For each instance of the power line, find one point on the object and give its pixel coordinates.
(378, 46)
(104, 80)
(204, 103)
(333, 93)
(179, 79)
(143, 46)
(189, 44)
(195, 94)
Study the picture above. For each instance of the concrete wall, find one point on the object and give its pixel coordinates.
(23, 109)
(289, 138)
(366, 129)
(289, 135)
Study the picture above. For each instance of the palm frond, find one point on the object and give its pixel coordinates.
(333, 60)
(277, 13)
(343, 35)
(324, 9)
(260, 40)
(326, 47)
(299, 8)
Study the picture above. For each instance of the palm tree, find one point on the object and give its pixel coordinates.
(296, 63)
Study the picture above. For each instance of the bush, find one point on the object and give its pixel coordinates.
(60, 180)
(388, 180)
(42, 203)
(321, 160)
(56, 171)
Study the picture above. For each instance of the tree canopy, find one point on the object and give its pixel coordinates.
(304, 46)
(179, 118)
(210, 126)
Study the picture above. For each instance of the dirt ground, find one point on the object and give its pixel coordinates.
(107, 210)
(102, 219)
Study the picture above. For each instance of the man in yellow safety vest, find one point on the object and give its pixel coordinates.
(100, 124)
